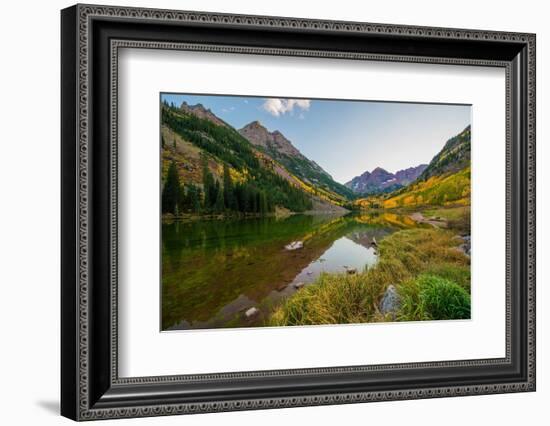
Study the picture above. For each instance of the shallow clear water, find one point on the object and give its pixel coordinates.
(344, 255)
(213, 271)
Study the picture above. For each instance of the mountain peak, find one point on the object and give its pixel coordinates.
(200, 111)
(276, 145)
(255, 123)
(274, 142)
(379, 170)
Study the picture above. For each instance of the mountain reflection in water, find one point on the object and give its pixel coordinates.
(214, 271)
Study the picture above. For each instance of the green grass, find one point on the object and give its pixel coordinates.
(451, 213)
(458, 218)
(458, 274)
(405, 256)
(333, 299)
(431, 297)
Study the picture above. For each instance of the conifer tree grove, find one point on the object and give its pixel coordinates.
(171, 192)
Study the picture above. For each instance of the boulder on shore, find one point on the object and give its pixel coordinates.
(390, 302)
(466, 246)
(252, 312)
(294, 245)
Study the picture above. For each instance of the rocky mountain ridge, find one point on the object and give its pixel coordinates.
(380, 180)
(454, 156)
(259, 136)
(200, 111)
(281, 149)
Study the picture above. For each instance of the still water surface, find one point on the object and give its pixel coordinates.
(213, 271)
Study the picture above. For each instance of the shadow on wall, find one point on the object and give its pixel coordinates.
(50, 406)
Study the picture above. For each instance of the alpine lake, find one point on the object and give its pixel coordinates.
(233, 272)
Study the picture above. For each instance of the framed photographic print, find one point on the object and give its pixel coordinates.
(263, 212)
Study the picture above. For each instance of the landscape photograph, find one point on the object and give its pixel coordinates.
(279, 211)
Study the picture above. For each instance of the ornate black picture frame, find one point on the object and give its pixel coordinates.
(91, 387)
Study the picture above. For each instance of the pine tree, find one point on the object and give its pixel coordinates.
(218, 205)
(253, 201)
(228, 192)
(263, 203)
(209, 185)
(185, 199)
(214, 193)
(244, 201)
(196, 199)
(172, 191)
(239, 199)
(258, 202)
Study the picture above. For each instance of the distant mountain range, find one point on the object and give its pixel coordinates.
(453, 157)
(382, 181)
(193, 136)
(444, 182)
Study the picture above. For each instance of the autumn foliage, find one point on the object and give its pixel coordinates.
(453, 189)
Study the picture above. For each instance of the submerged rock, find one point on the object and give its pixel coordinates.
(390, 301)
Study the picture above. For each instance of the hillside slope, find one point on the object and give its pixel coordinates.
(454, 156)
(207, 152)
(447, 189)
(278, 147)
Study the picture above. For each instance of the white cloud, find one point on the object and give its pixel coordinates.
(279, 107)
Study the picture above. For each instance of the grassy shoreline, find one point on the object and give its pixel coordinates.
(431, 275)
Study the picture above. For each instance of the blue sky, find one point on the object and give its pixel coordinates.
(346, 138)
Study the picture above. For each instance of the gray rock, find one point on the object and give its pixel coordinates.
(466, 245)
(390, 301)
(465, 248)
(299, 285)
(252, 312)
(294, 245)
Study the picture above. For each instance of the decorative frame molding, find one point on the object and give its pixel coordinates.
(91, 388)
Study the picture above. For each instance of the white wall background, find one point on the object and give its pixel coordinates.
(29, 212)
